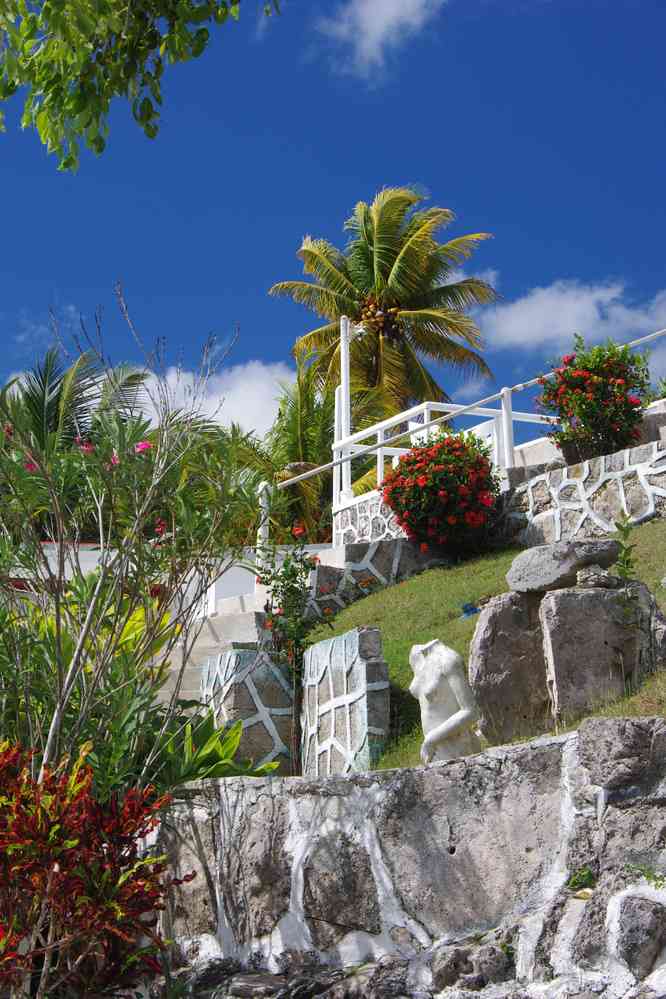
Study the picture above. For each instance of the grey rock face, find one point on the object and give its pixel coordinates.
(596, 643)
(622, 752)
(339, 894)
(549, 567)
(507, 670)
(456, 873)
(642, 933)
(594, 577)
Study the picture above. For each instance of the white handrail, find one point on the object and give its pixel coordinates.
(472, 409)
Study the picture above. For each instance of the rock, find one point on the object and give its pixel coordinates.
(249, 986)
(507, 671)
(492, 963)
(594, 577)
(622, 752)
(339, 893)
(642, 933)
(550, 567)
(449, 964)
(596, 643)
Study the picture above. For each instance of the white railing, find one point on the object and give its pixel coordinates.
(496, 430)
(347, 447)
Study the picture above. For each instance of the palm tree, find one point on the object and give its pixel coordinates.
(395, 278)
(52, 404)
(301, 439)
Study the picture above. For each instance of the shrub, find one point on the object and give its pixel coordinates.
(597, 395)
(287, 579)
(444, 494)
(78, 897)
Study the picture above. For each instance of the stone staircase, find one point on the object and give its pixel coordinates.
(342, 576)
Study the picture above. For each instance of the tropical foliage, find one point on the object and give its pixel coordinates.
(401, 283)
(72, 58)
(79, 894)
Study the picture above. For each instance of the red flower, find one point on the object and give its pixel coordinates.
(298, 530)
(451, 520)
(486, 499)
(156, 590)
(422, 481)
(633, 400)
(160, 526)
(423, 546)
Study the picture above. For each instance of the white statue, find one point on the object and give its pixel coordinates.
(448, 708)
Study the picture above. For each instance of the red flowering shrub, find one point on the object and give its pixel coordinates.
(444, 494)
(596, 394)
(78, 898)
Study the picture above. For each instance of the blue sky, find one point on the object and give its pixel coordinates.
(540, 121)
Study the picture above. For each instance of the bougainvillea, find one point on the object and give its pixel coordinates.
(596, 394)
(444, 494)
(78, 897)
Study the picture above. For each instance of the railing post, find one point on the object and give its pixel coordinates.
(507, 427)
(263, 532)
(336, 437)
(380, 459)
(345, 402)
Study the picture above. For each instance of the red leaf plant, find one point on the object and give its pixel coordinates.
(79, 892)
(444, 494)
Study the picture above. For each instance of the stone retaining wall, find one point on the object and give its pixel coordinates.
(246, 684)
(559, 503)
(584, 500)
(430, 864)
(345, 717)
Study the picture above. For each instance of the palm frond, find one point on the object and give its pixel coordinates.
(406, 275)
(456, 251)
(388, 212)
(459, 295)
(327, 264)
(321, 300)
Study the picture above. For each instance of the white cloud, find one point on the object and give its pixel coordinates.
(548, 317)
(475, 388)
(244, 393)
(369, 29)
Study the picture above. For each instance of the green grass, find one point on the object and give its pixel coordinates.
(430, 606)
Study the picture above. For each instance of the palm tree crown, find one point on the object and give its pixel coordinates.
(395, 278)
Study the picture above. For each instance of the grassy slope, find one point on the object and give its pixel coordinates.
(430, 606)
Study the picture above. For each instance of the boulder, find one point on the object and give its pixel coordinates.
(597, 643)
(551, 567)
(506, 668)
(642, 933)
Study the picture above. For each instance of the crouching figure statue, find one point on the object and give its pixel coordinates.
(448, 708)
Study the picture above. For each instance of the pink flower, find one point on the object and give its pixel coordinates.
(142, 446)
(87, 447)
(115, 460)
(160, 526)
(31, 466)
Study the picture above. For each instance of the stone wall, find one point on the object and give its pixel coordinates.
(345, 717)
(245, 683)
(460, 870)
(368, 518)
(557, 504)
(367, 566)
(585, 500)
